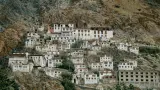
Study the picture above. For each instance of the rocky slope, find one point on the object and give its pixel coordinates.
(135, 20)
(37, 81)
(131, 19)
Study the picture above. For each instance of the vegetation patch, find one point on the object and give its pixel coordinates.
(67, 81)
(149, 50)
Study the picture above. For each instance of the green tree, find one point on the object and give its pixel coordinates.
(67, 64)
(5, 82)
(66, 81)
(77, 44)
(118, 87)
(131, 87)
(125, 87)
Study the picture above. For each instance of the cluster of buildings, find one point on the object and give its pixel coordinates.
(60, 37)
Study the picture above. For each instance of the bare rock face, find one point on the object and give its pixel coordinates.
(33, 82)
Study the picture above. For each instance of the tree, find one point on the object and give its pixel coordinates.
(66, 81)
(131, 87)
(118, 87)
(77, 44)
(5, 82)
(67, 64)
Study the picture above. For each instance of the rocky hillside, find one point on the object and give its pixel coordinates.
(137, 20)
(37, 81)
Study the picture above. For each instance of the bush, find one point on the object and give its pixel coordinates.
(66, 76)
(77, 44)
(5, 82)
(66, 81)
(149, 50)
(124, 87)
(67, 64)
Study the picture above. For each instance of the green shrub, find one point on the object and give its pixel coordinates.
(66, 81)
(5, 82)
(67, 64)
(149, 50)
(77, 44)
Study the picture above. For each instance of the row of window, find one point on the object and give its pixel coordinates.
(125, 66)
(102, 32)
(20, 66)
(139, 80)
(91, 78)
(138, 76)
(140, 73)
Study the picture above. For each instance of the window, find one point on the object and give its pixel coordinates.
(131, 75)
(142, 80)
(126, 79)
(121, 75)
(121, 79)
(136, 79)
(101, 32)
(126, 75)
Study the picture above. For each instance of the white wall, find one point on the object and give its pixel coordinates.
(90, 79)
(106, 58)
(108, 65)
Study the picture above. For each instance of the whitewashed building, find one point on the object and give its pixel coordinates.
(18, 58)
(128, 65)
(102, 66)
(97, 66)
(96, 47)
(134, 49)
(90, 78)
(33, 35)
(101, 32)
(60, 27)
(82, 34)
(54, 72)
(77, 53)
(54, 62)
(108, 65)
(107, 76)
(77, 60)
(22, 67)
(106, 72)
(31, 42)
(38, 60)
(106, 58)
(80, 69)
(123, 46)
